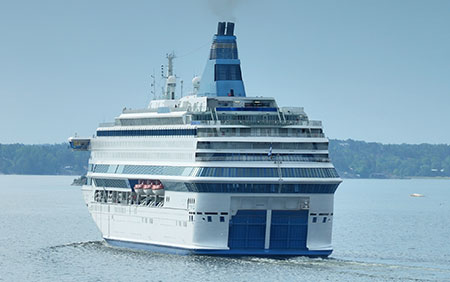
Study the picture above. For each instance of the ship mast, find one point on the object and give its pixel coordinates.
(171, 79)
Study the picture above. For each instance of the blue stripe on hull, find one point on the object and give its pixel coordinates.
(234, 252)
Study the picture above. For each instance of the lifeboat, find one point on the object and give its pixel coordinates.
(158, 188)
(147, 187)
(138, 188)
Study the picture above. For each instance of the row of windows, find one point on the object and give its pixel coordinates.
(148, 132)
(223, 53)
(266, 172)
(260, 188)
(207, 116)
(237, 172)
(261, 157)
(218, 171)
(227, 72)
(248, 119)
(242, 109)
(102, 182)
(258, 131)
(324, 219)
(259, 117)
(141, 169)
(208, 132)
(157, 170)
(202, 117)
(309, 172)
(262, 145)
(99, 168)
(294, 117)
(151, 121)
(228, 187)
(209, 218)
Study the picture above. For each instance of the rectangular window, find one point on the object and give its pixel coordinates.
(227, 72)
(324, 219)
(222, 219)
(314, 220)
(209, 218)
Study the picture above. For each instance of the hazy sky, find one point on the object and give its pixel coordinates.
(370, 70)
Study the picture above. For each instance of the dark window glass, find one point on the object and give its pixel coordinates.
(157, 132)
(261, 188)
(227, 72)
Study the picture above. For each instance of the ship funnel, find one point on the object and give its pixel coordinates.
(230, 29)
(222, 75)
(221, 28)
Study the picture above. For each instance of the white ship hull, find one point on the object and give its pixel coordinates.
(199, 229)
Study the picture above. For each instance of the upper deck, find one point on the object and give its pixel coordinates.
(224, 112)
(215, 140)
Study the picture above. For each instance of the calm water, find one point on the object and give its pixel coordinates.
(380, 233)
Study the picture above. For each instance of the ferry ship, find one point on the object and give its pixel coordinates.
(214, 172)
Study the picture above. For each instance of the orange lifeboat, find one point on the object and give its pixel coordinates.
(138, 188)
(147, 187)
(158, 188)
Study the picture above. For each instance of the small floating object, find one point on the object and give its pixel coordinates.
(417, 195)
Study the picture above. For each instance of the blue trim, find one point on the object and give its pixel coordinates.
(235, 252)
(228, 61)
(224, 38)
(148, 132)
(246, 109)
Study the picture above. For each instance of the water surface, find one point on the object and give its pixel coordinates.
(380, 233)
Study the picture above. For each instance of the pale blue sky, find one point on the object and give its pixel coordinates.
(370, 70)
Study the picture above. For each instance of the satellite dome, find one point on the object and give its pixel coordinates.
(172, 79)
(196, 81)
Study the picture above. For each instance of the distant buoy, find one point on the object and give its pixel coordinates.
(417, 195)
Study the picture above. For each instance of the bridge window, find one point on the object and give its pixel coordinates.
(227, 72)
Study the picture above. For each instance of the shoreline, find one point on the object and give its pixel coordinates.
(344, 178)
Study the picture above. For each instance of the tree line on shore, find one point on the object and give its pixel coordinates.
(359, 159)
(352, 159)
(55, 159)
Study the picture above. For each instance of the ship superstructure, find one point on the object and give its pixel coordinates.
(213, 173)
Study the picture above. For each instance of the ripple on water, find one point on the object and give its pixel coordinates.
(98, 261)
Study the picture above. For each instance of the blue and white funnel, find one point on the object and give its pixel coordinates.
(222, 75)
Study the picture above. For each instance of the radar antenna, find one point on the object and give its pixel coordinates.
(171, 79)
(153, 86)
